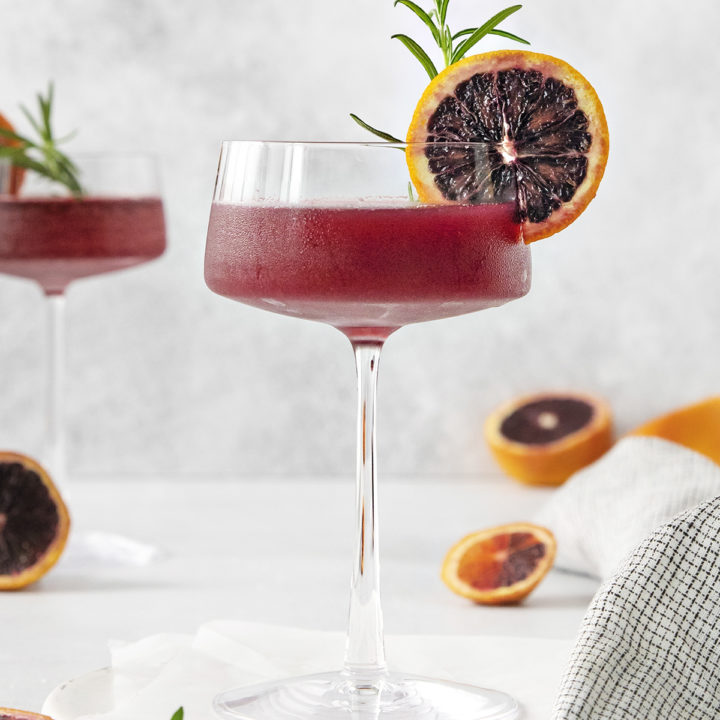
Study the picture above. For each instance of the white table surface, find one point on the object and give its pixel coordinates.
(271, 550)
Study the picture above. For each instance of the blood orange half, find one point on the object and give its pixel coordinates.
(34, 522)
(545, 131)
(543, 439)
(500, 565)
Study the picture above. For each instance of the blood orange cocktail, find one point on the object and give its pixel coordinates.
(324, 231)
(367, 269)
(55, 240)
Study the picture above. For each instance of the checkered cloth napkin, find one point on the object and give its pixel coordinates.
(649, 648)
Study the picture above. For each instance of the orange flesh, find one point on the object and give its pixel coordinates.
(501, 561)
(16, 580)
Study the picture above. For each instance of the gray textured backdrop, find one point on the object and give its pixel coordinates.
(168, 378)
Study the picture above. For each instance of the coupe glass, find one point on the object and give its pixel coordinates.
(329, 232)
(54, 239)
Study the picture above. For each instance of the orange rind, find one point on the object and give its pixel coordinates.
(34, 522)
(695, 426)
(18, 173)
(543, 439)
(12, 714)
(500, 565)
(542, 123)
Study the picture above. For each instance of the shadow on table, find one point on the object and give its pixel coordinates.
(67, 582)
(564, 600)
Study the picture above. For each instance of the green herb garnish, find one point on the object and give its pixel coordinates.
(179, 714)
(42, 156)
(454, 46)
(374, 131)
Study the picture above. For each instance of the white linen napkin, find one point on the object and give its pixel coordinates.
(603, 511)
(151, 678)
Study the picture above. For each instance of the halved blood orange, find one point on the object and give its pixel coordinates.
(694, 426)
(34, 522)
(544, 126)
(11, 714)
(17, 173)
(500, 565)
(543, 439)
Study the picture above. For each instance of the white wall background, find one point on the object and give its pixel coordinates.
(168, 378)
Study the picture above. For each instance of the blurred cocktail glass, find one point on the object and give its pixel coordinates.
(54, 239)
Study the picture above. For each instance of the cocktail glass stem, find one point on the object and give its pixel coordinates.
(365, 650)
(55, 390)
(86, 548)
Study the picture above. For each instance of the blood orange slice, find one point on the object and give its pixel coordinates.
(18, 173)
(10, 714)
(501, 565)
(544, 126)
(34, 522)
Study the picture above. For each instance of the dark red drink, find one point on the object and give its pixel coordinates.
(367, 270)
(57, 240)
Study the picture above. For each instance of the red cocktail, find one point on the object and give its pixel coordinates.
(56, 240)
(367, 270)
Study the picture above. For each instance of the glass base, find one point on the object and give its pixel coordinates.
(340, 696)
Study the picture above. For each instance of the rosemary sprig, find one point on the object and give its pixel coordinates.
(43, 155)
(374, 131)
(479, 33)
(453, 46)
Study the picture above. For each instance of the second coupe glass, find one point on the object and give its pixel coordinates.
(55, 239)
